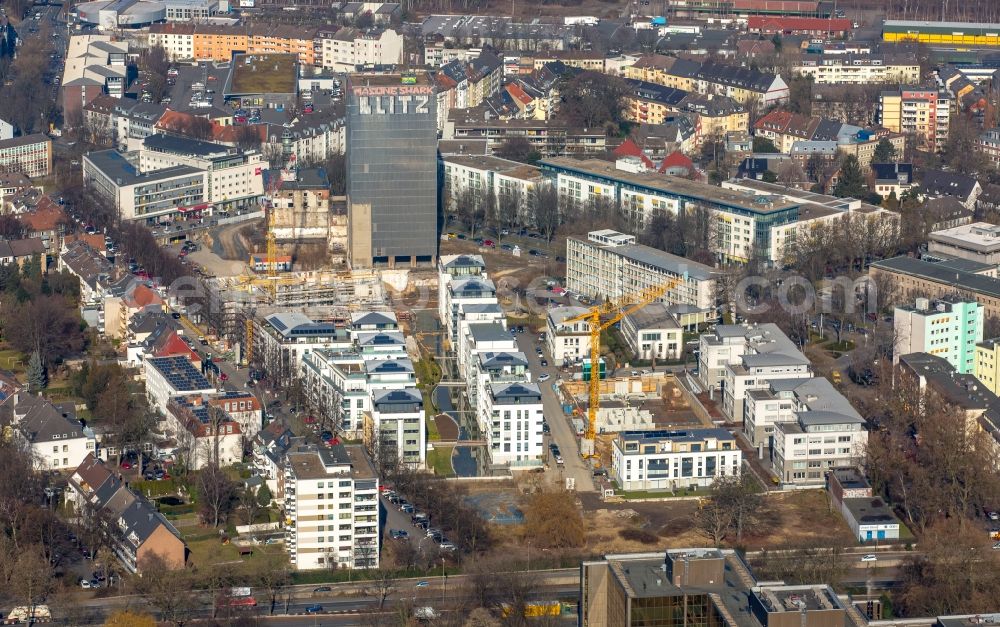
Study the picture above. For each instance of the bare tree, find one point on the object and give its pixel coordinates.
(216, 493)
(545, 210)
(381, 585)
(171, 592)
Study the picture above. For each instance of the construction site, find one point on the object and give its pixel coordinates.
(646, 402)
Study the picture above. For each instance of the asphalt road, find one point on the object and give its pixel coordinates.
(561, 430)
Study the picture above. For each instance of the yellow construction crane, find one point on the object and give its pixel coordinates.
(602, 317)
(270, 259)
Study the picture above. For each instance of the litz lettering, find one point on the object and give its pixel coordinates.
(388, 105)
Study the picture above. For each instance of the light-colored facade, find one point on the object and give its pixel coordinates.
(987, 368)
(979, 241)
(169, 377)
(781, 401)
(396, 425)
(331, 509)
(611, 265)
(568, 341)
(348, 48)
(282, 340)
(817, 442)
(734, 359)
(673, 460)
(509, 181)
(653, 332)
(235, 177)
(58, 441)
(948, 328)
(30, 155)
(920, 111)
(842, 69)
(510, 417)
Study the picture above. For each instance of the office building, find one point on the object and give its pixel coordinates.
(391, 138)
(779, 605)
(30, 155)
(949, 328)
(680, 586)
(331, 508)
(979, 241)
(673, 460)
(612, 265)
(920, 111)
(95, 66)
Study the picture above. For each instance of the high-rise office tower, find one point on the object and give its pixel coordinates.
(391, 170)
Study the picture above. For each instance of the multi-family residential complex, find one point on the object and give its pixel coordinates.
(816, 442)
(949, 328)
(567, 338)
(510, 419)
(346, 49)
(651, 103)
(987, 367)
(215, 42)
(743, 222)
(858, 70)
(655, 332)
(140, 532)
(462, 284)
(673, 460)
(920, 111)
(780, 402)
(282, 340)
(508, 181)
(150, 196)
(396, 425)
(735, 359)
(235, 177)
(740, 83)
(58, 441)
(609, 264)
(30, 155)
(921, 278)
(988, 143)
(331, 505)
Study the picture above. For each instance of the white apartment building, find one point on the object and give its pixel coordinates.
(817, 442)
(282, 340)
(455, 268)
(201, 439)
(858, 69)
(737, 358)
(396, 425)
(496, 367)
(510, 418)
(480, 175)
(348, 48)
(437, 54)
(673, 460)
(948, 328)
(235, 177)
(331, 508)
(57, 439)
(609, 264)
(653, 332)
(345, 381)
(568, 342)
(460, 294)
(482, 337)
(781, 401)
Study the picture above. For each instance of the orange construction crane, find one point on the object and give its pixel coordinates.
(602, 317)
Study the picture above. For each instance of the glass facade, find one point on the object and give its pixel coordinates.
(391, 171)
(689, 610)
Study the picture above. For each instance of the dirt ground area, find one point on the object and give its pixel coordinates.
(794, 519)
(446, 427)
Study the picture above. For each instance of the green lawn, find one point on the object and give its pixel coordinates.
(664, 494)
(12, 360)
(432, 428)
(440, 460)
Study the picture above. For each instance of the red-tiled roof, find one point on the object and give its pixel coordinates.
(45, 217)
(629, 148)
(676, 159)
(94, 240)
(175, 346)
(142, 296)
(518, 94)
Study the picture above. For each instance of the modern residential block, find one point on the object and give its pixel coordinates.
(673, 460)
(948, 327)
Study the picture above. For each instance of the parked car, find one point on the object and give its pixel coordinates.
(870, 557)
(542, 378)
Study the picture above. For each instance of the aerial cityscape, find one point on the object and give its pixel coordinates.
(654, 313)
